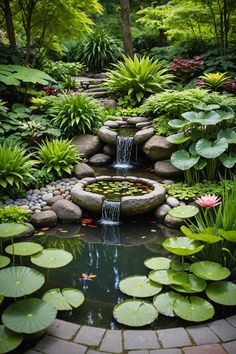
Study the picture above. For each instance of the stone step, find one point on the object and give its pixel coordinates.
(96, 89)
(97, 94)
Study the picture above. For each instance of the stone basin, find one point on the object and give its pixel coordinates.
(130, 205)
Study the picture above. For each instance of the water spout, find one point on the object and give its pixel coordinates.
(123, 151)
(110, 213)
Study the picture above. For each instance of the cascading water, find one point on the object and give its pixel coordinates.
(110, 213)
(123, 151)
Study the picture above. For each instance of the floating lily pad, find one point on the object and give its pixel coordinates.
(183, 211)
(176, 265)
(139, 286)
(135, 313)
(64, 299)
(182, 246)
(24, 248)
(222, 292)
(20, 281)
(12, 229)
(29, 316)
(189, 283)
(52, 258)
(164, 303)
(9, 340)
(210, 270)
(194, 309)
(4, 261)
(165, 277)
(157, 263)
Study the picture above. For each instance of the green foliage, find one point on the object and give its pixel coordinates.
(99, 50)
(58, 156)
(74, 115)
(138, 78)
(162, 127)
(13, 214)
(69, 82)
(10, 54)
(59, 69)
(41, 178)
(16, 166)
(215, 81)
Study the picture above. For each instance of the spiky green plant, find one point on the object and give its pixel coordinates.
(58, 156)
(138, 78)
(78, 114)
(215, 81)
(16, 166)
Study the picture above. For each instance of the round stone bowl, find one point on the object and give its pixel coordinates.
(130, 205)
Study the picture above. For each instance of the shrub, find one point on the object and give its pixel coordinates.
(138, 78)
(41, 178)
(14, 214)
(15, 166)
(99, 50)
(58, 156)
(78, 114)
(214, 81)
(59, 69)
(186, 69)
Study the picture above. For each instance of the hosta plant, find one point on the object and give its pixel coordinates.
(138, 78)
(214, 81)
(75, 115)
(58, 156)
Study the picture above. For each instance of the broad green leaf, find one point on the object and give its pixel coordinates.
(222, 292)
(12, 229)
(182, 246)
(52, 258)
(179, 138)
(177, 123)
(4, 261)
(228, 160)
(210, 270)
(188, 283)
(24, 248)
(139, 286)
(228, 235)
(229, 134)
(9, 340)
(183, 160)
(157, 263)
(164, 277)
(211, 149)
(194, 309)
(204, 236)
(183, 211)
(164, 303)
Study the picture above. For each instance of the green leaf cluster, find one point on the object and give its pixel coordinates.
(13, 215)
(59, 69)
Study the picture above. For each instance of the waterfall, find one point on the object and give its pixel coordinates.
(123, 151)
(110, 213)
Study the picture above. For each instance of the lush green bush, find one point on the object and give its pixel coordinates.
(138, 78)
(60, 69)
(13, 214)
(99, 50)
(74, 115)
(41, 178)
(214, 81)
(58, 156)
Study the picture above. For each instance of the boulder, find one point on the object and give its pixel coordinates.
(166, 169)
(172, 202)
(143, 135)
(86, 200)
(44, 218)
(100, 160)
(87, 144)
(108, 102)
(82, 170)
(109, 150)
(111, 124)
(107, 135)
(161, 211)
(135, 120)
(54, 199)
(143, 124)
(67, 211)
(158, 148)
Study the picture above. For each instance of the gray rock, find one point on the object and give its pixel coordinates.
(44, 218)
(143, 135)
(54, 199)
(107, 135)
(87, 144)
(111, 124)
(135, 120)
(82, 170)
(143, 124)
(166, 169)
(67, 211)
(161, 211)
(173, 222)
(100, 160)
(25, 207)
(168, 181)
(45, 197)
(108, 102)
(158, 148)
(56, 193)
(109, 150)
(87, 200)
(172, 202)
(47, 207)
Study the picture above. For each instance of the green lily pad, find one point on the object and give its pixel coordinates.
(228, 235)
(139, 286)
(205, 236)
(157, 263)
(183, 160)
(210, 270)
(12, 229)
(64, 299)
(164, 303)
(24, 248)
(179, 266)
(211, 149)
(222, 292)
(52, 258)
(20, 281)
(9, 340)
(135, 313)
(182, 246)
(165, 277)
(29, 316)
(194, 309)
(183, 211)
(4, 261)
(189, 283)
(178, 138)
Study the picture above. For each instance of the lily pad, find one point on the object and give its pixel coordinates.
(177, 265)
(29, 316)
(182, 246)
(165, 277)
(222, 292)
(183, 211)
(20, 281)
(194, 309)
(164, 303)
(139, 286)
(183, 160)
(135, 313)
(210, 270)
(4, 261)
(9, 340)
(52, 258)
(12, 229)
(24, 248)
(189, 283)
(65, 299)
(157, 263)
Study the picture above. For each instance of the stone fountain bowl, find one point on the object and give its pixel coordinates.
(130, 205)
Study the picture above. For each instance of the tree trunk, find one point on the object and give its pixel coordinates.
(125, 17)
(9, 23)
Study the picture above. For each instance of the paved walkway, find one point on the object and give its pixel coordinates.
(218, 337)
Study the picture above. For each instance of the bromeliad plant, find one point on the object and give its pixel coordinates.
(214, 81)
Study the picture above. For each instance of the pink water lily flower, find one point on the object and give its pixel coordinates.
(208, 200)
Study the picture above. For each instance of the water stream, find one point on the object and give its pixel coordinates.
(123, 151)
(110, 213)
